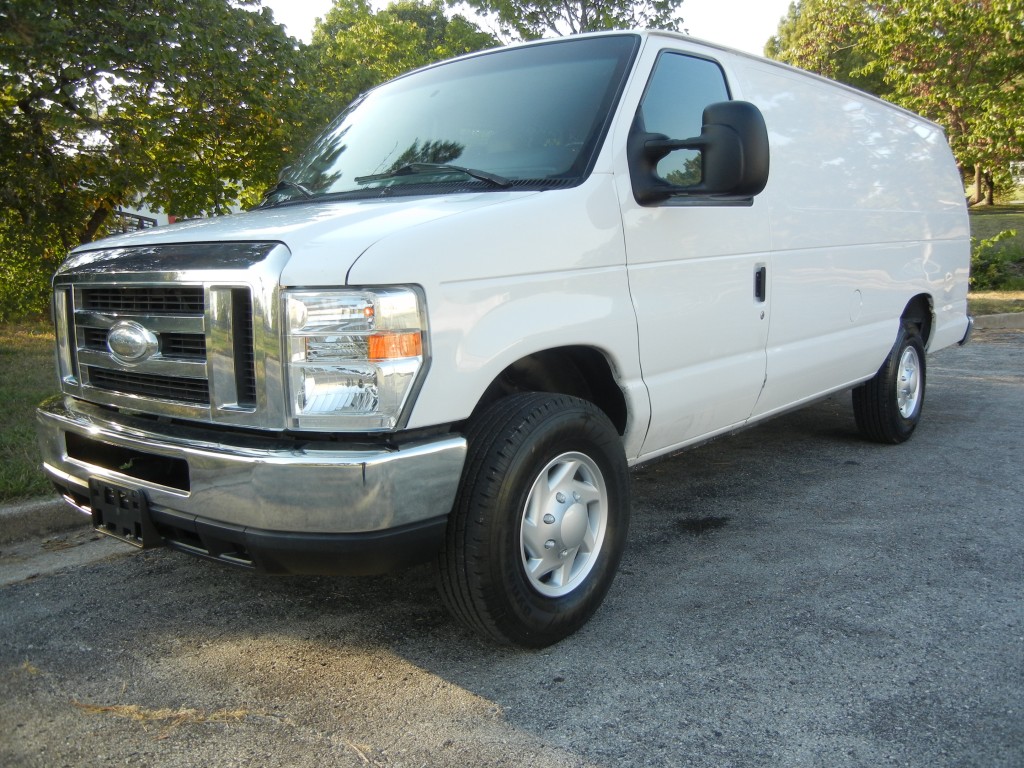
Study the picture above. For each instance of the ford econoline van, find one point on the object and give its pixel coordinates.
(489, 288)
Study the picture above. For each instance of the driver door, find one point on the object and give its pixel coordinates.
(698, 274)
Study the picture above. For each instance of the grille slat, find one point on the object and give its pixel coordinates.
(183, 345)
(95, 338)
(143, 300)
(245, 347)
(193, 391)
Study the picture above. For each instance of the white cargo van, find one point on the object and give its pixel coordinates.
(484, 292)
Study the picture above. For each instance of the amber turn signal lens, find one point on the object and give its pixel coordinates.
(388, 346)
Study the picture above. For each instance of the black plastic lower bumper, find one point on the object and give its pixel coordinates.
(314, 554)
(126, 515)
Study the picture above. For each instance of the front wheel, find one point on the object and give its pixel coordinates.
(888, 407)
(540, 522)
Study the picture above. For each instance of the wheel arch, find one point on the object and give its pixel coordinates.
(579, 371)
(920, 312)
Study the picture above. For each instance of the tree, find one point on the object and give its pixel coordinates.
(104, 104)
(957, 62)
(960, 63)
(828, 37)
(531, 19)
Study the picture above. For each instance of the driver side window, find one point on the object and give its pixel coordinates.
(679, 89)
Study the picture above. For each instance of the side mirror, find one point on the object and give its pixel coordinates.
(733, 146)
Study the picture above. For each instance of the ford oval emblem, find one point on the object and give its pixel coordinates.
(130, 342)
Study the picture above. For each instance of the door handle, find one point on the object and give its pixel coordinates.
(761, 284)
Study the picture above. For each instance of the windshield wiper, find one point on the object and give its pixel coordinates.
(283, 186)
(426, 168)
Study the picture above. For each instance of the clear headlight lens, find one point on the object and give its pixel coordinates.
(353, 356)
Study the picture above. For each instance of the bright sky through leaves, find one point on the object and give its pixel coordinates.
(742, 24)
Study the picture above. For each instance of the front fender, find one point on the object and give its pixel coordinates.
(508, 280)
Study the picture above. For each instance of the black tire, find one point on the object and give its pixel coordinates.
(496, 572)
(888, 407)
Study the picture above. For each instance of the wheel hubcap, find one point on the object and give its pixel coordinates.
(908, 383)
(564, 524)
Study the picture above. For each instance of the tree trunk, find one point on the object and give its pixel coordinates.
(990, 190)
(976, 195)
(99, 216)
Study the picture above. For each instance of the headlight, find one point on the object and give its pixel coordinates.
(353, 357)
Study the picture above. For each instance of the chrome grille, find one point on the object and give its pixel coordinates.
(175, 314)
(184, 330)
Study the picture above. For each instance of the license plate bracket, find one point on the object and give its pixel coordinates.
(122, 513)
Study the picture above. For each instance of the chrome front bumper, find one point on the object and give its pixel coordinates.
(235, 480)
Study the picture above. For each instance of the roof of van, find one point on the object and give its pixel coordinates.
(654, 33)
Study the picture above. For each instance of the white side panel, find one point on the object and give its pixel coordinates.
(867, 212)
(847, 169)
(509, 280)
(702, 333)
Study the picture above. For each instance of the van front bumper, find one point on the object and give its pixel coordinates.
(275, 503)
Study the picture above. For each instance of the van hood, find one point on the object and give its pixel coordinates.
(324, 238)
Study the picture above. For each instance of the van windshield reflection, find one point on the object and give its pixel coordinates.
(526, 118)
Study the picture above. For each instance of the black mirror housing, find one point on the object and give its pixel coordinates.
(734, 156)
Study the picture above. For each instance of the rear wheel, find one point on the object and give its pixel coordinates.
(888, 406)
(540, 522)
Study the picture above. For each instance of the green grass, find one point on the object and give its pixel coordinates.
(26, 377)
(988, 222)
(995, 302)
(997, 264)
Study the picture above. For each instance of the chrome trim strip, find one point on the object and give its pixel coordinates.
(140, 404)
(156, 323)
(156, 365)
(66, 368)
(220, 352)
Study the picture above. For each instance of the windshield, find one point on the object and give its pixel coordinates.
(530, 117)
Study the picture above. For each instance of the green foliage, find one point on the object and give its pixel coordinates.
(960, 63)
(828, 37)
(29, 254)
(184, 106)
(27, 376)
(110, 103)
(219, 139)
(957, 62)
(689, 174)
(191, 108)
(996, 265)
(531, 19)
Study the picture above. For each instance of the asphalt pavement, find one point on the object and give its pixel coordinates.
(790, 596)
